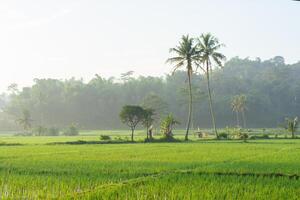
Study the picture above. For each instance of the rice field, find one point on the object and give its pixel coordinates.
(258, 169)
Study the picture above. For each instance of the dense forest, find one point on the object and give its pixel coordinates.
(272, 89)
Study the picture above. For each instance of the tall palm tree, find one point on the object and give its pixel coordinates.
(208, 57)
(186, 56)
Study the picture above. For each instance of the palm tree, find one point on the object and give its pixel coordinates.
(239, 105)
(208, 47)
(186, 56)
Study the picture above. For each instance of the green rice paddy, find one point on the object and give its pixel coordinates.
(258, 169)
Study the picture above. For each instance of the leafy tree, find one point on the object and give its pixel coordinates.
(40, 130)
(127, 76)
(39, 96)
(167, 125)
(208, 47)
(13, 88)
(292, 125)
(132, 116)
(155, 102)
(148, 120)
(272, 94)
(71, 130)
(25, 120)
(53, 131)
(186, 56)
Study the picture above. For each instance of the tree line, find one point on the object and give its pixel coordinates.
(271, 88)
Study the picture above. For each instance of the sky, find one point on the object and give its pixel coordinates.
(79, 38)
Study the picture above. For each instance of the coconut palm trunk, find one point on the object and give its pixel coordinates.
(190, 106)
(187, 54)
(210, 99)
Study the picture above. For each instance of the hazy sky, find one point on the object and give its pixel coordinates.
(65, 38)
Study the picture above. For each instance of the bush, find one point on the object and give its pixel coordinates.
(223, 136)
(167, 125)
(105, 137)
(164, 139)
(149, 140)
(252, 137)
(243, 136)
(264, 136)
(71, 131)
(23, 134)
(40, 130)
(52, 131)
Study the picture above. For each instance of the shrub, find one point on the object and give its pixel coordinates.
(119, 138)
(149, 139)
(105, 137)
(23, 134)
(243, 136)
(40, 130)
(71, 131)
(167, 125)
(264, 136)
(52, 131)
(253, 137)
(223, 136)
(164, 139)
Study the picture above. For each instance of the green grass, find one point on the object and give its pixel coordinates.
(259, 169)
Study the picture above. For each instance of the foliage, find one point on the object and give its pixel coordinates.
(186, 54)
(71, 130)
(167, 125)
(155, 102)
(223, 135)
(25, 120)
(54, 131)
(243, 136)
(238, 105)
(208, 55)
(105, 137)
(264, 136)
(132, 116)
(40, 130)
(272, 94)
(148, 120)
(292, 125)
